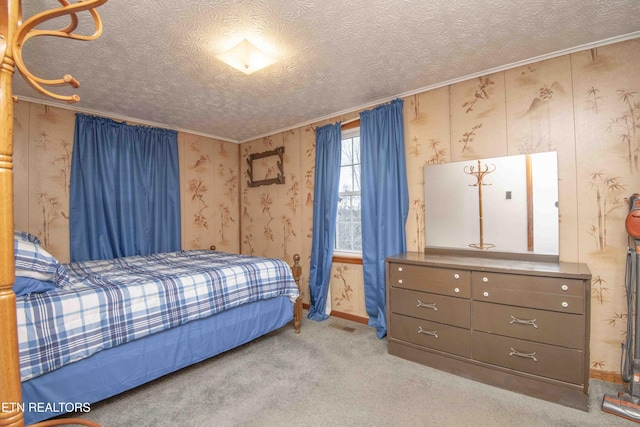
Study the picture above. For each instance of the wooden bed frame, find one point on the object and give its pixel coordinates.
(296, 270)
(13, 34)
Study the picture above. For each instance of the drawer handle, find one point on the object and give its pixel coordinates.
(565, 304)
(432, 305)
(399, 268)
(565, 288)
(432, 333)
(485, 294)
(531, 356)
(456, 276)
(531, 322)
(400, 281)
(485, 279)
(456, 290)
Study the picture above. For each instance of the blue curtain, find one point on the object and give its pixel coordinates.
(124, 191)
(325, 209)
(385, 202)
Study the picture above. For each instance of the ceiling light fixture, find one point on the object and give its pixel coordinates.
(246, 57)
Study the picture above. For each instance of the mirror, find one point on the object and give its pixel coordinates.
(504, 204)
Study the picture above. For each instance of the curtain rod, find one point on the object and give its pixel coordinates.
(346, 122)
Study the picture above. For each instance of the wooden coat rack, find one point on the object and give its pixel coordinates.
(479, 174)
(13, 35)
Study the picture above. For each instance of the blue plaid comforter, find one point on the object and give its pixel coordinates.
(112, 302)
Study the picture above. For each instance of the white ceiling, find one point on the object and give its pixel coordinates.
(155, 62)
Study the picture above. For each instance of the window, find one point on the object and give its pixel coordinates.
(348, 229)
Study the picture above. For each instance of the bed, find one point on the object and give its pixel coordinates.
(90, 330)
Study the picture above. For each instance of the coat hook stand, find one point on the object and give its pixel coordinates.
(480, 174)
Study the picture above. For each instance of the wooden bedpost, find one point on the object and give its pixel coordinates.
(296, 270)
(13, 34)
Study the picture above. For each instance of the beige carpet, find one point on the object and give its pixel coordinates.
(334, 373)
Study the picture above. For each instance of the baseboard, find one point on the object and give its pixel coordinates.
(341, 315)
(610, 377)
(351, 317)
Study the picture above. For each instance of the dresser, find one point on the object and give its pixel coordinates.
(518, 324)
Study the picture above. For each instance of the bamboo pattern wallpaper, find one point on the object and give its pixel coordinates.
(21, 166)
(478, 119)
(585, 106)
(209, 191)
(606, 87)
(42, 147)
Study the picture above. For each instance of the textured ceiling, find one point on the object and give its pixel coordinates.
(155, 61)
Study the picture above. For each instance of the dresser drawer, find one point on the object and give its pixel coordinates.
(548, 327)
(436, 280)
(547, 293)
(433, 335)
(434, 307)
(553, 285)
(545, 360)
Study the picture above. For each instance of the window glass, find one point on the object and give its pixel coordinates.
(348, 230)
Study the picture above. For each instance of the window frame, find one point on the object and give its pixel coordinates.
(350, 130)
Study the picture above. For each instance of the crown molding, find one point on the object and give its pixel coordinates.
(122, 118)
(505, 67)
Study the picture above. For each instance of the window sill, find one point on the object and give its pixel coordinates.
(347, 258)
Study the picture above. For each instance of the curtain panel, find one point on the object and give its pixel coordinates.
(325, 209)
(385, 202)
(124, 190)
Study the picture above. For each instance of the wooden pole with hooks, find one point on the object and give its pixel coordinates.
(10, 386)
(13, 34)
(479, 174)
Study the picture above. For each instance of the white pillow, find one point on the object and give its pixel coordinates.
(35, 262)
